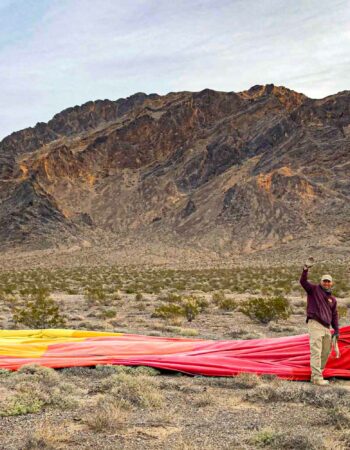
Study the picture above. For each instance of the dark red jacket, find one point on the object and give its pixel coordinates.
(321, 306)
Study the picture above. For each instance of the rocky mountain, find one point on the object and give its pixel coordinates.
(260, 170)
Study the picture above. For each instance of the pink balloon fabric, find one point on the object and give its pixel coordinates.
(285, 357)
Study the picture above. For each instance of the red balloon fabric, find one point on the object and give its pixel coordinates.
(286, 357)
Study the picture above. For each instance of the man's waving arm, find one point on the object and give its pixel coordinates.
(303, 279)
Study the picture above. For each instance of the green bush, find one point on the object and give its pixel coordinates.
(265, 437)
(108, 314)
(202, 302)
(140, 391)
(21, 403)
(41, 311)
(168, 311)
(265, 309)
(130, 290)
(227, 304)
(189, 307)
(218, 297)
(96, 294)
(5, 373)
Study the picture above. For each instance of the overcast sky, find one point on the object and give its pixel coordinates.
(60, 53)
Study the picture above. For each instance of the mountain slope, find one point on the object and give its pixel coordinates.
(230, 172)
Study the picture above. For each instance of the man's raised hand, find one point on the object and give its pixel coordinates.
(309, 263)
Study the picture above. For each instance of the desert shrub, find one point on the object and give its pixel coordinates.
(203, 399)
(246, 380)
(344, 438)
(144, 370)
(138, 391)
(62, 396)
(240, 381)
(115, 295)
(218, 296)
(166, 311)
(4, 373)
(171, 297)
(46, 436)
(155, 333)
(72, 290)
(108, 314)
(141, 307)
(292, 441)
(279, 391)
(191, 308)
(188, 332)
(342, 311)
(21, 403)
(238, 334)
(176, 321)
(289, 441)
(202, 302)
(44, 386)
(130, 290)
(139, 297)
(265, 309)
(330, 397)
(109, 369)
(282, 329)
(10, 300)
(265, 438)
(338, 417)
(268, 377)
(227, 304)
(106, 415)
(95, 294)
(40, 311)
(79, 371)
(36, 372)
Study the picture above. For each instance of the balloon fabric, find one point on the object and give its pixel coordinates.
(286, 357)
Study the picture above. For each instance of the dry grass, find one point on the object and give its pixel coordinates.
(47, 436)
(106, 415)
(284, 391)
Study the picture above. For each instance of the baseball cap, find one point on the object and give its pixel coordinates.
(326, 277)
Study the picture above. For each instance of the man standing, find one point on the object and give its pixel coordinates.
(321, 313)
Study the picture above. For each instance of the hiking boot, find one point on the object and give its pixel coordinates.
(320, 382)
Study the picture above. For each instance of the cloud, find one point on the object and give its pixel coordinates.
(66, 52)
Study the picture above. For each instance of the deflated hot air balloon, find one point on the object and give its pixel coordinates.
(286, 357)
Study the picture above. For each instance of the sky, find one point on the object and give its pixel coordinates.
(60, 53)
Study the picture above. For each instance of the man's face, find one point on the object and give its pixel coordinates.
(326, 284)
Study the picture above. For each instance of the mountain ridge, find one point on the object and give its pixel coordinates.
(212, 170)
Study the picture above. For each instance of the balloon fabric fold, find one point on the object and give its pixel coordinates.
(286, 357)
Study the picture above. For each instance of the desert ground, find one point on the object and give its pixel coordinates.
(112, 407)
